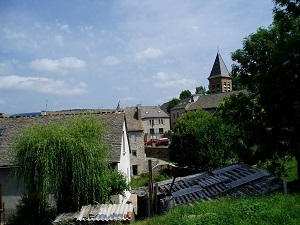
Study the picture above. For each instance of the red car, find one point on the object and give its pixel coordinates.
(162, 142)
(150, 142)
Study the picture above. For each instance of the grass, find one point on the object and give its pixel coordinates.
(273, 209)
(143, 179)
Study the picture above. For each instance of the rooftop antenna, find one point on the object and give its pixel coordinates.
(218, 49)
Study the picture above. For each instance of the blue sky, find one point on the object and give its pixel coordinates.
(89, 54)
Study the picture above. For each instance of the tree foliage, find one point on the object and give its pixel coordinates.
(201, 141)
(243, 112)
(172, 103)
(68, 159)
(269, 64)
(185, 94)
(201, 90)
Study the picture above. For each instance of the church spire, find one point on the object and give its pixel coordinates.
(219, 78)
(119, 107)
(219, 68)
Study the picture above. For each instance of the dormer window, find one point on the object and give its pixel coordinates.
(2, 131)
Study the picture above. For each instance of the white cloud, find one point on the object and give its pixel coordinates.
(149, 53)
(61, 66)
(111, 60)
(165, 80)
(65, 27)
(41, 85)
(59, 40)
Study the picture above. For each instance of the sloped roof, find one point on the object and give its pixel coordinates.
(153, 112)
(211, 101)
(96, 214)
(133, 124)
(219, 68)
(182, 104)
(14, 125)
(164, 107)
(233, 180)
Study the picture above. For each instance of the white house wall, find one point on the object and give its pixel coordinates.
(124, 167)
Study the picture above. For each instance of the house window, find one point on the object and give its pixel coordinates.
(161, 130)
(2, 131)
(134, 169)
(151, 131)
(134, 153)
(133, 138)
(156, 130)
(177, 114)
(173, 115)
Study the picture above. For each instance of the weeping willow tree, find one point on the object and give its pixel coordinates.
(69, 160)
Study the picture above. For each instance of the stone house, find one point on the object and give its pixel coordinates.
(144, 123)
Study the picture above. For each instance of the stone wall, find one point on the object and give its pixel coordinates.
(157, 152)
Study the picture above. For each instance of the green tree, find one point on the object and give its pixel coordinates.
(201, 141)
(201, 90)
(185, 94)
(269, 65)
(68, 159)
(243, 113)
(172, 103)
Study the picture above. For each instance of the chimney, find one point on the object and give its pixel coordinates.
(139, 111)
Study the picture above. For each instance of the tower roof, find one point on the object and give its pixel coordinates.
(119, 107)
(219, 68)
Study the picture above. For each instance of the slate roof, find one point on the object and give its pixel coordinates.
(114, 121)
(182, 104)
(153, 112)
(97, 214)
(133, 124)
(164, 107)
(211, 101)
(219, 68)
(233, 180)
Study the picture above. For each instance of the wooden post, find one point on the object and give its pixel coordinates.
(150, 186)
(155, 197)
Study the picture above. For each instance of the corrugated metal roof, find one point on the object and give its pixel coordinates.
(98, 213)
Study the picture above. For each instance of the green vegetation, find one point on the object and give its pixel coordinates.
(143, 179)
(69, 160)
(275, 209)
(185, 94)
(201, 141)
(172, 103)
(268, 65)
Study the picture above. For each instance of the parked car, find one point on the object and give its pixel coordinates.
(150, 141)
(162, 142)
